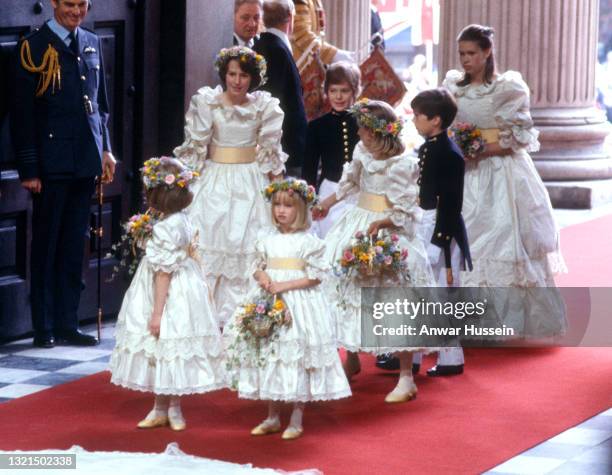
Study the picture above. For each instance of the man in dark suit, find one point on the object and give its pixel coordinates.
(247, 15)
(284, 79)
(59, 114)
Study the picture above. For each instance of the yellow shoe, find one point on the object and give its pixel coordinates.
(292, 433)
(266, 428)
(153, 422)
(396, 396)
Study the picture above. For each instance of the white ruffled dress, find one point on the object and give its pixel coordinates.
(187, 357)
(395, 178)
(303, 363)
(228, 206)
(513, 236)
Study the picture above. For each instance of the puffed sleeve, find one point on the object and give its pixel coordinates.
(198, 130)
(511, 101)
(403, 192)
(451, 79)
(270, 155)
(317, 267)
(167, 248)
(351, 174)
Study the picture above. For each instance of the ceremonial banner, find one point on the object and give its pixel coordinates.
(313, 77)
(379, 81)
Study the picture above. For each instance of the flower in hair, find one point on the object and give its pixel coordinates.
(243, 55)
(292, 186)
(365, 118)
(154, 175)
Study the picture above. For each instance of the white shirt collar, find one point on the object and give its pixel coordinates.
(282, 35)
(241, 42)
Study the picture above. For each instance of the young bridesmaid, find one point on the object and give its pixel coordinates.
(302, 364)
(167, 338)
(332, 138)
(384, 177)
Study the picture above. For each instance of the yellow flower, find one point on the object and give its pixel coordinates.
(380, 243)
(249, 308)
(278, 305)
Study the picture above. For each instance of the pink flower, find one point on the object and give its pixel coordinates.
(311, 189)
(394, 237)
(359, 235)
(348, 256)
(378, 249)
(261, 308)
(404, 254)
(290, 191)
(169, 179)
(388, 260)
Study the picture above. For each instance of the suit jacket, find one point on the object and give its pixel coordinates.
(441, 188)
(330, 141)
(60, 135)
(284, 83)
(4, 94)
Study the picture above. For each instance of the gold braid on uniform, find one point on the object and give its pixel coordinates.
(49, 69)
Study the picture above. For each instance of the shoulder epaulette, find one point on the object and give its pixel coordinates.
(31, 34)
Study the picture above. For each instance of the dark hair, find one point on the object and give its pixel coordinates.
(276, 14)
(436, 102)
(167, 199)
(248, 64)
(483, 37)
(343, 71)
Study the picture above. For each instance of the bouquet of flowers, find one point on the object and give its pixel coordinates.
(468, 137)
(369, 257)
(131, 247)
(256, 321)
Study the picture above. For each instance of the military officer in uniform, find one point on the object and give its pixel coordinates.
(59, 129)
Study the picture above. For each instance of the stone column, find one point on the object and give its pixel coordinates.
(553, 43)
(347, 25)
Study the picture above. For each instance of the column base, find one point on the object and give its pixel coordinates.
(579, 194)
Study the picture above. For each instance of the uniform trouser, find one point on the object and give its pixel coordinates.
(59, 223)
(450, 356)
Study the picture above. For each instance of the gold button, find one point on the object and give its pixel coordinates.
(79, 59)
(83, 78)
(448, 238)
(439, 234)
(346, 150)
(346, 144)
(343, 124)
(345, 137)
(50, 136)
(425, 150)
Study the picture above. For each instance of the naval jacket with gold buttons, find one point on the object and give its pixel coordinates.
(441, 170)
(330, 142)
(63, 132)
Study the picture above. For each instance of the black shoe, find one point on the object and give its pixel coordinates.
(416, 367)
(388, 362)
(77, 338)
(445, 370)
(44, 341)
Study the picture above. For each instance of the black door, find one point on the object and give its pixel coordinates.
(115, 22)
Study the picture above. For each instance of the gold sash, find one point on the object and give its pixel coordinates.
(372, 202)
(285, 263)
(490, 135)
(232, 155)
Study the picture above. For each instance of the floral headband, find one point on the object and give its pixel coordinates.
(243, 55)
(365, 118)
(153, 176)
(291, 186)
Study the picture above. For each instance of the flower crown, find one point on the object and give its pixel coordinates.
(365, 118)
(242, 54)
(153, 176)
(291, 186)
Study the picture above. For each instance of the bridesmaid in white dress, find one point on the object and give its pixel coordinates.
(232, 137)
(513, 237)
(167, 338)
(302, 364)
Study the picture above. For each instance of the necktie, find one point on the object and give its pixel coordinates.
(74, 47)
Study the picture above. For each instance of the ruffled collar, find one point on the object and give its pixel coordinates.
(372, 165)
(471, 90)
(246, 111)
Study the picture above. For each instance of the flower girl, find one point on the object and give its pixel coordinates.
(385, 178)
(167, 338)
(300, 362)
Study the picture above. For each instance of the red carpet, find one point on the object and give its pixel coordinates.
(508, 401)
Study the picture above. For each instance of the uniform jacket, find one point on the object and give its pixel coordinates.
(441, 188)
(308, 27)
(330, 141)
(57, 135)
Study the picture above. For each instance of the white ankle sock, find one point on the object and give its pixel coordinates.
(174, 412)
(405, 383)
(297, 415)
(160, 407)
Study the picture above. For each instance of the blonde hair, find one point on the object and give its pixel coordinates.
(302, 218)
(384, 145)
